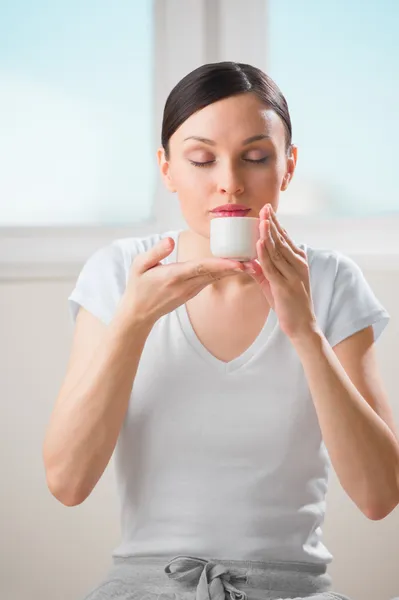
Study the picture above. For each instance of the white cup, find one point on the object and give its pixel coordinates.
(234, 237)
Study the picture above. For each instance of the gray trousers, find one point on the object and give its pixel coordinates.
(193, 578)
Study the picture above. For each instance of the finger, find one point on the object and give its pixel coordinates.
(265, 246)
(276, 251)
(283, 232)
(294, 255)
(296, 266)
(254, 269)
(289, 260)
(264, 212)
(211, 277)
(152, 257)
(211, 269)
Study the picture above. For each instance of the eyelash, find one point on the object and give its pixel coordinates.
(260, 161)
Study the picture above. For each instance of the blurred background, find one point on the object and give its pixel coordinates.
(77, 106)
(82, 89)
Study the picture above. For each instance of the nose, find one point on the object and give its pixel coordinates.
(229, 182)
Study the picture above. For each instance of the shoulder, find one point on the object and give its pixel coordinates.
(344, 300)
(130, 247)
(104, 276)
(116, 257)
(334, 277)
(327, 263)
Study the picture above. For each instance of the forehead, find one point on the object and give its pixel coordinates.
(234, 118)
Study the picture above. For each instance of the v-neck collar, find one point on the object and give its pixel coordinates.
(255, 348)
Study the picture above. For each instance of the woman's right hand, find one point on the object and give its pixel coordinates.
(154, 289)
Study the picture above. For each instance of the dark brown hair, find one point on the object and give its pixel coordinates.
(215, 81)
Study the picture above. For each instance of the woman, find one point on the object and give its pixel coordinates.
(226, 388)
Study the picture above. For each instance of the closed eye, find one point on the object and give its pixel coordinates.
(201, 164)
(247, 160)
(257, 161)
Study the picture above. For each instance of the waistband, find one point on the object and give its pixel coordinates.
(213, 578)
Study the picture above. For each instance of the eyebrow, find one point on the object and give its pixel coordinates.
(254, 138)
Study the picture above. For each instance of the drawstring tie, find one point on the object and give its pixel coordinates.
(212, 579)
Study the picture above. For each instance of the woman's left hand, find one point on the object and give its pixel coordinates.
(282, 272)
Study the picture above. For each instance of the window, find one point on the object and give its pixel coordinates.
(337, 64)
(76, 112)
(138, 45)
(59, 209)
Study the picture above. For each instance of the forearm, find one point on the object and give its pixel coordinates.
(363, 450)
(85, 424)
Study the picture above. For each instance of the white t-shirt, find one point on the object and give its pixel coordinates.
(224, 460)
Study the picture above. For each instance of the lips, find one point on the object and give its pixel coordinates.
(230, 207)
(231, 210)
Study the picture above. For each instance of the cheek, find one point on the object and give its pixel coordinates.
(194, 188)
(266, 180)
(193, 180)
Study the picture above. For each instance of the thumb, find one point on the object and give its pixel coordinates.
(152, 257)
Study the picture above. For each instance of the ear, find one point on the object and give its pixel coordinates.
(290, 169)
(164, 168)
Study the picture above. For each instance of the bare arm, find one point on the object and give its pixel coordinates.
(92, 403)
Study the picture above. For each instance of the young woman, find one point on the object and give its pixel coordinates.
(226, 389)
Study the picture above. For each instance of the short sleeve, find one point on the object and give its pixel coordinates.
(354, 305)
(100, 285)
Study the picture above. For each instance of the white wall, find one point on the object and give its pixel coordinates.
(50, 552)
